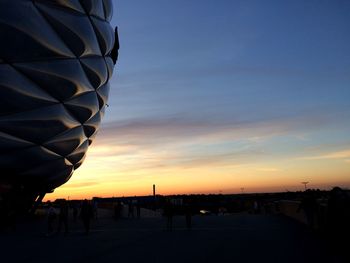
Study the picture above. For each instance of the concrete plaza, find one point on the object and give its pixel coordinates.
(230, 238)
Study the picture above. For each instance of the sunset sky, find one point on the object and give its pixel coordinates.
(214, 96)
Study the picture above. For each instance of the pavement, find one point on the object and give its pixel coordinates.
(228, 238)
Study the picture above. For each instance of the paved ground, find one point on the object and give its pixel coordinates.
(233, 238)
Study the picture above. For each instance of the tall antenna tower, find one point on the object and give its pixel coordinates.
(305, 183)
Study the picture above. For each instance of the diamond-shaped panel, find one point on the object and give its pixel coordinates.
(54, 70)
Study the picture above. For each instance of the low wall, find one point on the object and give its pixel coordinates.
(291, 209)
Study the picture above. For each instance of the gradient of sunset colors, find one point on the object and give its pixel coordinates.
(215, 96)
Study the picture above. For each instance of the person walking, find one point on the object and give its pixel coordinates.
(168, 212)
(86, 214)
(138, 209)
(75, 212)
(131, 209)
(188, 215)
(51, 218)
(63, 217)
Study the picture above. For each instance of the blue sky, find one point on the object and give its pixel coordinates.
(232, 89)
(252, 59)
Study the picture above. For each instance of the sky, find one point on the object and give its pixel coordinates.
(223, 97)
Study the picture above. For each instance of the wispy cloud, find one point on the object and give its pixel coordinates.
(231, 158)
(173, 128)
(332, 155)
(269, 169)
(82, 184)
(191, 141)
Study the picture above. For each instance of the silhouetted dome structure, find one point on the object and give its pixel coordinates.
(55, 63)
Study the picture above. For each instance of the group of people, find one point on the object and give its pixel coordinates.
(118, 209)
(60, 217)
(333, 215)
(329, 214)
(168, 212)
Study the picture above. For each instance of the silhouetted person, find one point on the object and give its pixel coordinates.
(188, 215)
(168, 213)
(86, 214)
(337, 216)
(95, 209)
(117, 210)
(75, 212)
(51, 218)
(267, 208)
(309, 206)
(138, 209)
(131, 210)
(256, 207)
(115, 50)
(63, 217)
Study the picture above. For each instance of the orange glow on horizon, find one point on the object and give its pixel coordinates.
(115, 176)
(191, 165)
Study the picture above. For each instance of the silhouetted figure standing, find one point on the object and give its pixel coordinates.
(138, 209)
(117, 210)
(309, 206)
(256, 207)
(63, 217)
(168, 212)
(337, 216)
(51, 218)
(131, 210)
(188, 215)
(95, 209)
(86, 213)
(75, 212)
